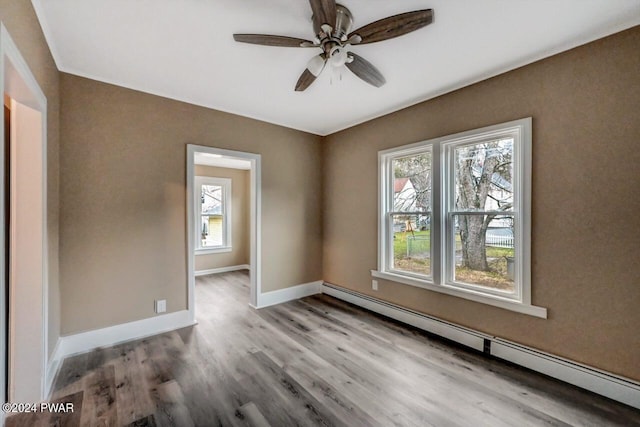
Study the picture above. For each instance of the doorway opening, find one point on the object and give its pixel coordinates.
(223, 216)
(23, 266)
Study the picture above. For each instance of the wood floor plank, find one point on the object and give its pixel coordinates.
(148, 421)
(202, 377)
(252, 415)
(133, 403)
(154, 361)
(64, 419)
(265, 378)
(71, 371)
(330, 395)
(171, 408)
(99, 402)
(317, 361)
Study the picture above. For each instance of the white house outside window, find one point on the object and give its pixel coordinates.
(213, 214)
(455, 215)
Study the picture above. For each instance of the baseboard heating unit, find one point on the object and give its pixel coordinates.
(606, 384)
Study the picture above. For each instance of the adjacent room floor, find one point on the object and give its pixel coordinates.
(317, 361)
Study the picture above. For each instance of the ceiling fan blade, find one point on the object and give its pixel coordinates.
(268, 40)
(394, 26)
(365, 70)
(313, 70)
(324, 12)
(305, 80)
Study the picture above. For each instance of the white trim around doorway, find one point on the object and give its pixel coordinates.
(255, 220)
(19, 83)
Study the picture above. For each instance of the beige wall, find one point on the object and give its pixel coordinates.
(21, 22)
(240, 244)
(585, 105)
(122, 189)
(123, 161)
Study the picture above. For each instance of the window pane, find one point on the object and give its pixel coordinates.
(211, 200)
(412, 183)
(211, 228)
(484, 176)
(211, 210)
(412, 243)
(484, 251)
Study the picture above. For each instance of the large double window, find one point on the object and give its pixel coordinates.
(455, 215)
(213, 214)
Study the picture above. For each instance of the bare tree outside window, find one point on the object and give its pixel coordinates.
(484, 190)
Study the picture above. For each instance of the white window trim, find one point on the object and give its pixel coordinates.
(441, 272)
(225, 183)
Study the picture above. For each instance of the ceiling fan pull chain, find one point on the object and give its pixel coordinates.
(336, 75)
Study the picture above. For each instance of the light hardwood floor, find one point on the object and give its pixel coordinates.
(317, 361)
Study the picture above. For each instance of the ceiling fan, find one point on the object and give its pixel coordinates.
(332, 26)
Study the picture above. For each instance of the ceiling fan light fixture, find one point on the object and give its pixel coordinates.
(354, 39)
(338, 56)
(315, 65)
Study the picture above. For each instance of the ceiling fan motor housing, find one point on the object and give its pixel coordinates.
(344, 21)
(343, 24)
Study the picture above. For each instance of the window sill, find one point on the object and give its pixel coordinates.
(505, 303)
(217, 250)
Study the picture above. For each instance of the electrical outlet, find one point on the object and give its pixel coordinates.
(161, 305)
(374, 285)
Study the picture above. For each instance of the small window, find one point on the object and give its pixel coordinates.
(455, 215)
(213, 214)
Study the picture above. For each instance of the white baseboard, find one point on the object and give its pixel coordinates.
(86, 341)
(55, 361)
(222, 270)
(606, 384)
(267, 299)
(105, 337)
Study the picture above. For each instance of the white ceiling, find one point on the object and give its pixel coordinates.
(185, 50)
